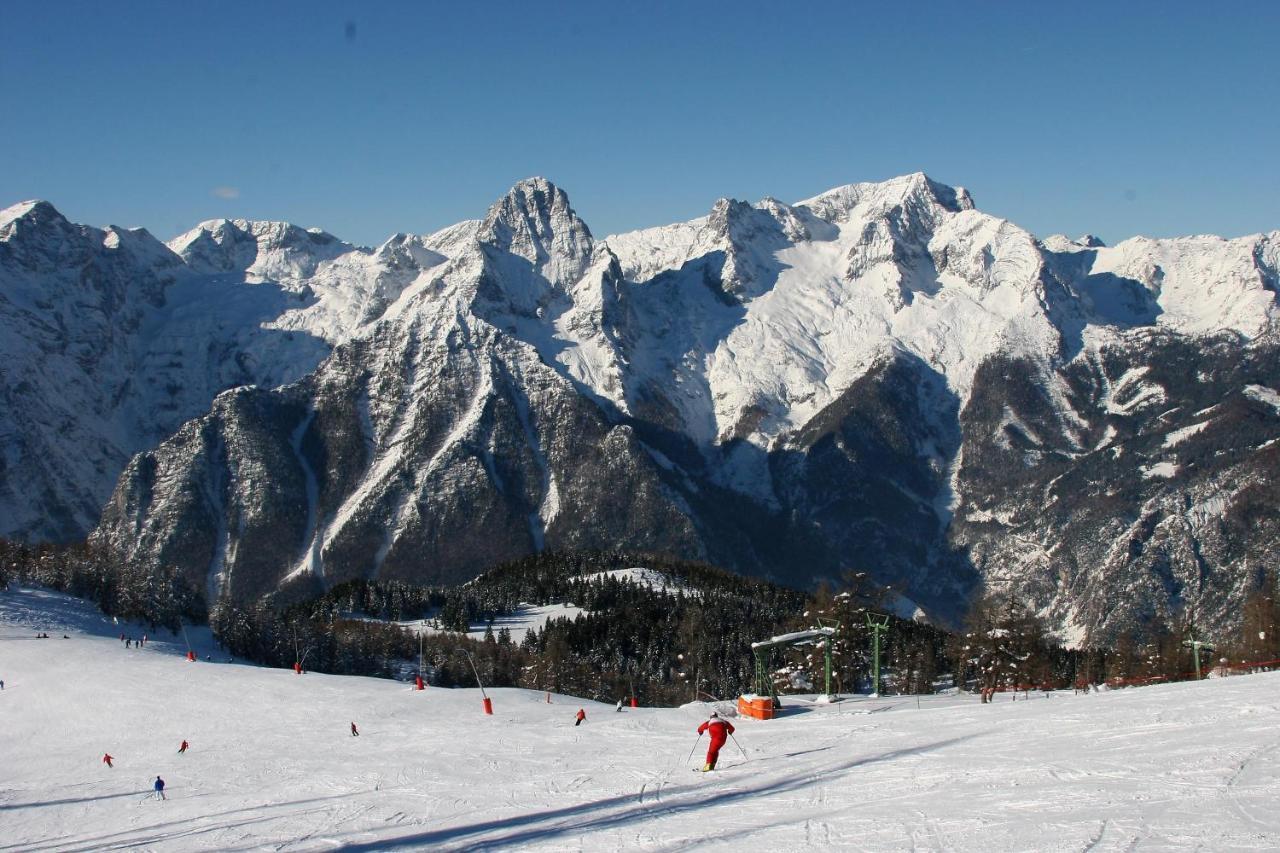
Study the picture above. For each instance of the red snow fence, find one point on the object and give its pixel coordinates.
(635, 703)
(297, 667)
(417, 683)
(488, 705)
(191, 656)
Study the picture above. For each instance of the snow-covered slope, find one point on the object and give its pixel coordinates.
(272, 764)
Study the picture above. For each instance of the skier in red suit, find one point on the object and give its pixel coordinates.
(720, 730)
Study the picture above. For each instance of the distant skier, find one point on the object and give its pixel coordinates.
(128, 644)
(106, 759)
(183, 748)
(144, 639)
(1, 684)
(719, 730)
(619, 708)
(354, 731)
(122, 636)
(579, 717)
(159, 789)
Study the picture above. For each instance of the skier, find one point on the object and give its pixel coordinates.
(619, 708)
(122, 636)
(354, 732)
(720, 730)
(128, 644)
(579, 717)
(1, 684)
(159, 788)
(106, 759)
(183, 748)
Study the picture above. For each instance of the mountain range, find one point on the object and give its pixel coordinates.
(881, 378)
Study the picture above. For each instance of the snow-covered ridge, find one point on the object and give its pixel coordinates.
(112, 339)
(1203, 284)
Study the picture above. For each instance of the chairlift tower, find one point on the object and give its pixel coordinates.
(1196, 646)
(878, 623)
(764, 683)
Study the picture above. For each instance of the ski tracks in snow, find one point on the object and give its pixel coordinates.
(1264, 792)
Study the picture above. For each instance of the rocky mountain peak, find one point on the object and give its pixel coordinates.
(535, 221)
(34, 232)
(916, 190)
(35, 235)
(271, 249)
(34, 213)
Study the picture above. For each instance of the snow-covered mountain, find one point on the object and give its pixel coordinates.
(879, 378)
(112, 340)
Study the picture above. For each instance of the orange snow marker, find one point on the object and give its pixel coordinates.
(488, 705)
(191, 656)
(297, 667)
(635, 703)
(417, 683)
(757, 707)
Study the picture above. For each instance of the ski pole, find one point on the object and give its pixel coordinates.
(695, 747)
(739, 746)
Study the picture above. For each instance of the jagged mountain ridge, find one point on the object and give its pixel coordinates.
(790, 390)
(112, 340)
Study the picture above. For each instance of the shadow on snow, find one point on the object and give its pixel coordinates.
(618, 811)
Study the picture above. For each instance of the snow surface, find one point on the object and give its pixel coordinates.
(272, 765)
(525, 618)
(1177, 436)
(641, 576)
(1263, 394)
(1160, 469)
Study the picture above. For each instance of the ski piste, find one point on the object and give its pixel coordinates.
(272, 763)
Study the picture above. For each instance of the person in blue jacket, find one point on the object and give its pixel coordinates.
(159, 786)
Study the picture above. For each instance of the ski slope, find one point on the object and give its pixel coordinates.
(525, 618)
(273, 766)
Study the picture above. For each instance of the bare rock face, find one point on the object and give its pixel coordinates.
(881, 378)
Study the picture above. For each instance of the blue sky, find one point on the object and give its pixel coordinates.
(367, 119)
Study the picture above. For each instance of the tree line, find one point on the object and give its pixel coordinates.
(688, 637)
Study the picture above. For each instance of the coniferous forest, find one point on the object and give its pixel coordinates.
(664, 644)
